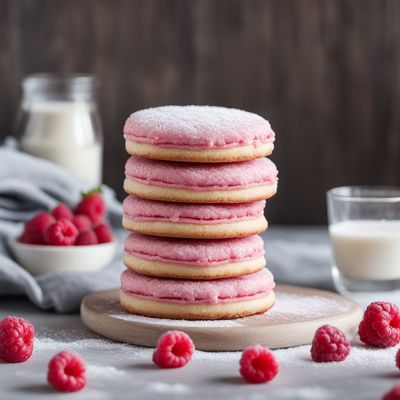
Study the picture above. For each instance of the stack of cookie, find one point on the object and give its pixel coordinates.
(197, 182)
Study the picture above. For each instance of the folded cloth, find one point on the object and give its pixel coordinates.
(27, 185)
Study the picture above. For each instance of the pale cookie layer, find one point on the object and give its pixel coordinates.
(197, 231)
(178, 195)
(158, 309)
(184, 271)
(230, 154)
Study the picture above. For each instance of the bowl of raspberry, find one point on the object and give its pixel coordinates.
(64, 239)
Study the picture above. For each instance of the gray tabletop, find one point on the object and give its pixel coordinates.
(119, 371)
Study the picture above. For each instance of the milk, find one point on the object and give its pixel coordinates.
(367, 249)
(65, 133)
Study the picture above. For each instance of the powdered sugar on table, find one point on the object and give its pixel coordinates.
(288, 306)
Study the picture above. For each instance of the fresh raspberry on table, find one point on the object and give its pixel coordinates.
(380, 326)
(16, 339)
(62, 211)
(174, 350)
(393, 393)
(258, 364)
(82, 222)
(67, 372)
(329, 344)
(36, 227)
(62, 233)
(103, 233)
(92, 205)
(86, 238)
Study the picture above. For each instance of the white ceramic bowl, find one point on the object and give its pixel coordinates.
(38, 259)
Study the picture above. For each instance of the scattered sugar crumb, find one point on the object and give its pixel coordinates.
(360, 357)
(95, 345)
(307, 393)
(163, 387)
(104, 371)
(290, 306)
(217, 355)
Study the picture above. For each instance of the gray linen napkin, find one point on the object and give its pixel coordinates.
(27, 185)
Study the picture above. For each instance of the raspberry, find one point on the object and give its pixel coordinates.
(67, 372)
(16, 339)
(62, 233)
(86, 238)
(103, 233)
(25, 238)
(329, 344)
(82, 222)
(380, 326)
(36, 228)
(258, 364)
(393, 394)
(92, 205)
(174, 350)
(62, 211)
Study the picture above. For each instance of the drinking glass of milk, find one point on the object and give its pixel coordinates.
(58, 120)
(364, 227)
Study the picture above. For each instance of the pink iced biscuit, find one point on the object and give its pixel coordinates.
(198, 134)
(200, 176)
(140, 209)
(193, 221)
(198, 292)
(197, 253)
(200, 127)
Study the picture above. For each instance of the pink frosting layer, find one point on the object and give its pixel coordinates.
(194, 252)
(189, 292)
(202, 177)
(149, 210)
(197, 127)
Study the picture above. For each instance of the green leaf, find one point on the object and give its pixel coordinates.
(96, 189)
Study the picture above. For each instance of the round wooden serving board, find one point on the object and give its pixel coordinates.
(298, 312)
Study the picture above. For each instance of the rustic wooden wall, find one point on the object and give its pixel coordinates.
(325, 73)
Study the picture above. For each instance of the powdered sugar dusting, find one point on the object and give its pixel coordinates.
(104, 371)
(360, 357)
(197, 126)
(92, 344)
(162, 387)
(114, 369)
(296, 307)
(289, 306)
(308, 393)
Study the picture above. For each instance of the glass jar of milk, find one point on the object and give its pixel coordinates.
(58, 120)
(364, 227)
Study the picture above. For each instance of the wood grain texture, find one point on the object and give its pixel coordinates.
(102, 313)
(325, 73)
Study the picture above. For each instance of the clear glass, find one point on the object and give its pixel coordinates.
(58, 120)
(364, 228)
